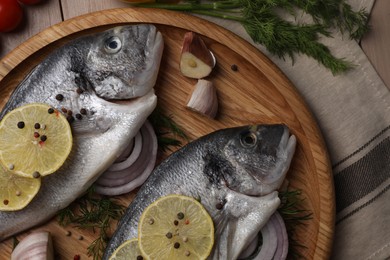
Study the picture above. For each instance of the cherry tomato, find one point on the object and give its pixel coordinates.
(30, 2)
(11, 14)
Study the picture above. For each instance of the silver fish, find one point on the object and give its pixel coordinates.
(85, 77)
(234, 172)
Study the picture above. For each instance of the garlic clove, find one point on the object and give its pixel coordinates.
(196, 60)
(204, 98)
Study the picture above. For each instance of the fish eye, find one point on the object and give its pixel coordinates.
(248, 139)
(113, 44)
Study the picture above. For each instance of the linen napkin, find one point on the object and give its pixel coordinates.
(353, 112)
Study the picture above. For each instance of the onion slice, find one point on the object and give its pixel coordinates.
(136, 150)
(281, 231)
(126, 153)
(119, 182)
(36, 246)
(275, 241)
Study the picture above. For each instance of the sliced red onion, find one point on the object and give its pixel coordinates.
(275, 241)
(126, 153)
(270, 241)
(123, 181)
(121, 177)
(250, 249)
(281, 231)
(37, 245)
(136, 150)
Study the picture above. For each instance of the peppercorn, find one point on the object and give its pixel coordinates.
(180, 215)
(79, 116)
(83, 111)
(79, 91)
(37, 126)
(50, 110)
(70, 119)
(59, 97)
(43, 138)
(36, 175)
(21, 124)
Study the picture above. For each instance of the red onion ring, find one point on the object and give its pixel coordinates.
(147, 160)
(270, 241)
(121, 177)
(131, 158)
(275, 241)
(126, 153)
(281, 231)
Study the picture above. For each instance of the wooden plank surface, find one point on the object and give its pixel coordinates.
(242, 100)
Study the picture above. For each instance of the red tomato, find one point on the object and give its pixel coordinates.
(30, 2)
(11, 14)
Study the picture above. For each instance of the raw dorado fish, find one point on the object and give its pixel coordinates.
(233, 172)
(85, 77)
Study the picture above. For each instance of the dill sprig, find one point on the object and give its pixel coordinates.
(293, 215)
(167, 131)
(262, 21)
(92, 212)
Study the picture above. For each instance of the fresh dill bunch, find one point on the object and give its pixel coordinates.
(293, 215)
(263, 23)
(167, 131)
(92, 212)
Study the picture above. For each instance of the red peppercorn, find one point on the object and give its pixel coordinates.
(76, 257)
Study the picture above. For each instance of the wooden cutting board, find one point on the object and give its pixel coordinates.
(257, 93)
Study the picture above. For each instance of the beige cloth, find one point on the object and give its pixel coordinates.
(352, 110)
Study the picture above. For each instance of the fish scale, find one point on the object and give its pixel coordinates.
(106, 127)
(230, 172)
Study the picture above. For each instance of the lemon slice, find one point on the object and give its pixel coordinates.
(128, 250)
(175, 227)
(16, 192)
(35, 140)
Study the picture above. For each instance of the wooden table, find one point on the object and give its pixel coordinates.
(375, 43)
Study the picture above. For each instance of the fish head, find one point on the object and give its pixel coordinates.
(261, 156)
(123, 62)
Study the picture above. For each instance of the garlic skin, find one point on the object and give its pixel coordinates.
(36, 246)
(204, 98)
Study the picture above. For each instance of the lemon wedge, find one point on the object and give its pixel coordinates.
(16, 192)
(128, 250)
(35, 140)
(175, 227)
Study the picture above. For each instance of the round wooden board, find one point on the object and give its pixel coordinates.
(257, 93)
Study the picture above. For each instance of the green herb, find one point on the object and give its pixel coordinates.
(293, 215)
(167, 131)
(92, 212)
(262, 21)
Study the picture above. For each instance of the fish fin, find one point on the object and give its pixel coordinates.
(242, 220)
(14, 98)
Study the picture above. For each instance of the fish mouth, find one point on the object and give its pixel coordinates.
(284, 155)
(124, 104)
(146, 79)
(274, 179)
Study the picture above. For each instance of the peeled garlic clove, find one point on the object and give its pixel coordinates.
(36, 246)
(204, 98)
